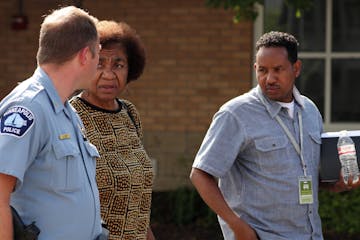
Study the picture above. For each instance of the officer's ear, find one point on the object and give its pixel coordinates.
(84, 54)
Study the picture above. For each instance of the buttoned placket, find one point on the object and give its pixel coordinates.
(298, 143)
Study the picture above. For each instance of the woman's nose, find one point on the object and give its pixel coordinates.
(108, 73)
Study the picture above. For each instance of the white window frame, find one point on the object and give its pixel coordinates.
(327, 55)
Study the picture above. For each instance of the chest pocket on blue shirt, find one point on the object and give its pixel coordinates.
(93, 153)
(91, 149)
(314, 149)
(272, 154)
(67, 172)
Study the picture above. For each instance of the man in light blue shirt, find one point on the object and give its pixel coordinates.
(264, 147)
(47, 166)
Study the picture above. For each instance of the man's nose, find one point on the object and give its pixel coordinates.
(270, 77)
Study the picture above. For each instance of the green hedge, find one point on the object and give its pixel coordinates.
(181, 207)
(340, 212)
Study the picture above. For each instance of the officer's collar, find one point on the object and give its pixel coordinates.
(49, 87)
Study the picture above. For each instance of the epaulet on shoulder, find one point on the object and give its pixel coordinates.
(24, 94)
(34, 92)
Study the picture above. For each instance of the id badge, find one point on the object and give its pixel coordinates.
(306, 190)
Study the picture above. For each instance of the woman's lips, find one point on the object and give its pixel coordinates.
(107, 88)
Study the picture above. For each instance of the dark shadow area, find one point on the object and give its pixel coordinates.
(182, 215)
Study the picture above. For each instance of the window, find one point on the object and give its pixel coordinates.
(328, 34)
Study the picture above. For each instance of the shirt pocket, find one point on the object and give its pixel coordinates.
(314, 145)
(316, 137)
(91, 149)
(67, 172)
(271, 154)
(93, 153)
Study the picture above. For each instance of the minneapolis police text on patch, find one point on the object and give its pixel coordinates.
(16, 121)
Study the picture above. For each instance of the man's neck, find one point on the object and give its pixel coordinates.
(289, 106)
(62, 78)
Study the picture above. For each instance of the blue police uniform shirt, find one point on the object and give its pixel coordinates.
(43, 145)
(258, 167)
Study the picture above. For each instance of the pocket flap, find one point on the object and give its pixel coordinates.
(271, 143)
(316, 136)
(91, 149)
(65, 148)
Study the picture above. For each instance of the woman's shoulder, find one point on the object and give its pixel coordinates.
(129, 106)
(76, 102)
(128, 103)
(133, 114)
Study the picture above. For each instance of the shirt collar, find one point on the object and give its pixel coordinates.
(49, 87)
(272, 106)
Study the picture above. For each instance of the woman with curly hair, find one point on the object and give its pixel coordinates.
(124, 172)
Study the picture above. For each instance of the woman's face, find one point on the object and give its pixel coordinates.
(111, 77)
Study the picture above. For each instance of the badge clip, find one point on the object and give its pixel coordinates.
(64, 136)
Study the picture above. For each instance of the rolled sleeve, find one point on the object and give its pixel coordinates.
(221, 145)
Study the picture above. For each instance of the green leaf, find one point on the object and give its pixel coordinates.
(244, 9)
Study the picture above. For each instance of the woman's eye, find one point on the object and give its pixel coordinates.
(120, 66)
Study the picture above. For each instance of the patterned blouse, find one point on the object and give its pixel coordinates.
(123, 172)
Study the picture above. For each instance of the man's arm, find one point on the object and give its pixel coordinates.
(7, 184)
(340, 185)
(208, 189)
(149, 234)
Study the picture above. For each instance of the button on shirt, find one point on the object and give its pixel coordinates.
(258, 167)
(42, 145)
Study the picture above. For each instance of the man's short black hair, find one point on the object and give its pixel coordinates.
(280, 39)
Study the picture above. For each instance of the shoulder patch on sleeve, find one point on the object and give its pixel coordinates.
(16, 121)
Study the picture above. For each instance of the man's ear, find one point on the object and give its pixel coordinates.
(297, 68)
(83, 55)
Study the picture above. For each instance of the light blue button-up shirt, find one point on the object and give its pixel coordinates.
(258, 167)
(43, 146)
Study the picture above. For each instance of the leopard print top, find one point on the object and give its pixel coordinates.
(123, 172)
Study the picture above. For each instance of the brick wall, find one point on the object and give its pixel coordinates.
(196, 60)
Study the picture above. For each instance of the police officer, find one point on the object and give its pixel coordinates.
(47, 166)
